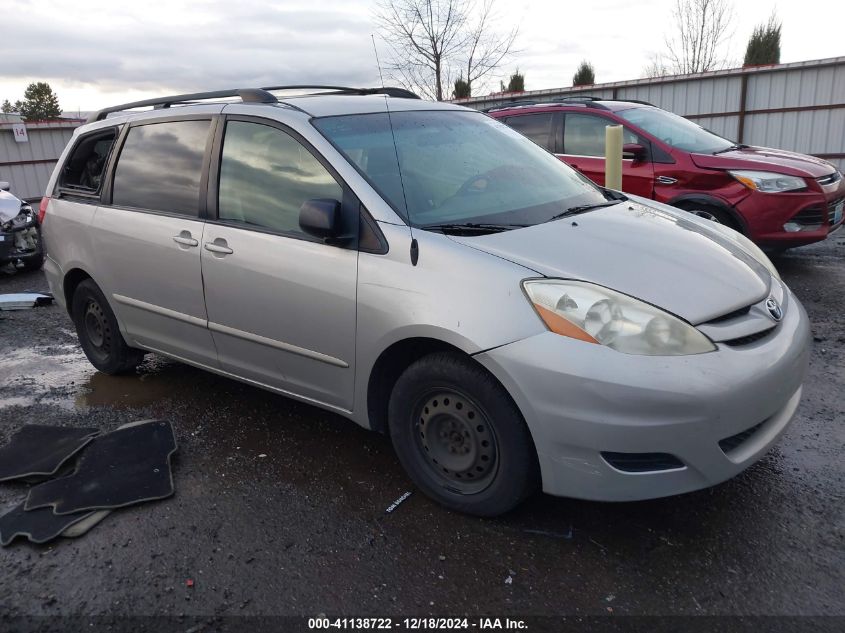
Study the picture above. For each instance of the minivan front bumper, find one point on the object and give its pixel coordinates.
(585, 404)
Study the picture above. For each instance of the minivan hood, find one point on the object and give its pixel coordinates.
(672, 260)
(766, 159)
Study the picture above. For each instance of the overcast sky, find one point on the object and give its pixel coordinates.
(100, 52)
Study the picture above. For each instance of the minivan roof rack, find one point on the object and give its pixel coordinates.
(247, 95)
(384, 90)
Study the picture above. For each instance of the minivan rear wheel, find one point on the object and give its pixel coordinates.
(460, 437)
(98, 332)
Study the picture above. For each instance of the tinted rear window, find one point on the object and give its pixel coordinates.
(160, 167)
(537, 127)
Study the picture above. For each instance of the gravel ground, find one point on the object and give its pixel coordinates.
(280, 507)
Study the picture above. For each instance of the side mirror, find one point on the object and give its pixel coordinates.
(4, 186)
(633, 150)
(321, 218)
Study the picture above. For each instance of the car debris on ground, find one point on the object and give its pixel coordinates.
(127, 466)
(24, 300)
(38, 451)
(396, 503)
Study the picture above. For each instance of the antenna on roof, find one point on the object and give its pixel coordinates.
(378, 63)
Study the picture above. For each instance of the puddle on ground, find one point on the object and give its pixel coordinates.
(157, 379)
(62, 375)
(43, 374)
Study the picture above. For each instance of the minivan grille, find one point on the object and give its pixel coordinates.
(749, 339)
(731, 315)
(735, 441)
(642, 462)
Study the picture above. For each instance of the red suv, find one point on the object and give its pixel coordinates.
(779, 199)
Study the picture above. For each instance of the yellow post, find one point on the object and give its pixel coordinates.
(613, 157)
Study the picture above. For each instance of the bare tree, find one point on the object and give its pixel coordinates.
(433, 41)
(656, 67)
(702, 29)
(423, 35)
(485, 48)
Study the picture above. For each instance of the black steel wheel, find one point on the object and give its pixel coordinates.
(458, 440)
(98, 331)
(460, 437)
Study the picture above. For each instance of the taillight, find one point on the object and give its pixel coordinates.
(42, 209)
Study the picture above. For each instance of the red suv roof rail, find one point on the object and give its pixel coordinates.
(586, 100)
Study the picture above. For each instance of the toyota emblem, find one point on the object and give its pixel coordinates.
(774, 309)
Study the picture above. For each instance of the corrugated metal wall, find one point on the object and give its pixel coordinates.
(27, 166)
(799, 106)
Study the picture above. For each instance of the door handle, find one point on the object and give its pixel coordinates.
(184, 239)
(218, 246)
(666, 180)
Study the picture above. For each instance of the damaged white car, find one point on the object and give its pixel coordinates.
(20, 235)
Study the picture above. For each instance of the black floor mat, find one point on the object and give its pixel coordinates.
(124, 467)
(37, 451)
(39, 526)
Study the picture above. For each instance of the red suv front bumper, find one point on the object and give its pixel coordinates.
(783, 220)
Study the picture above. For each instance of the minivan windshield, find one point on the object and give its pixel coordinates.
(453, 167)
(675, 130)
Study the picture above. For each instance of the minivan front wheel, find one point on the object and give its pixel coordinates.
(460, 437)
(98, 332)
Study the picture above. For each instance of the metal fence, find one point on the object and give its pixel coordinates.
(27, 160)
(798, 106)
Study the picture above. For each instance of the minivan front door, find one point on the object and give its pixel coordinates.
(147, 239)
(583, 149)
(281, 304)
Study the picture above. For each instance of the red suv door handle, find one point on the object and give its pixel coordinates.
(666, 180)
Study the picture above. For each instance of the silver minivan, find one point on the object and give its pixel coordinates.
(429, 273)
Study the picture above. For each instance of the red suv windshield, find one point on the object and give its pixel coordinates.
(675, 130)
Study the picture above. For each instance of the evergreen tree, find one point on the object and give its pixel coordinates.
(40, 103)
(462, 89)
(764, 44)
(585, 75)
(516, 83)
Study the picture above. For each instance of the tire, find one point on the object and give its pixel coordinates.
(713, 213)
(98, 332)
(460, 437)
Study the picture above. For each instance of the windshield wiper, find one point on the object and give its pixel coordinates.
(731, 148)
(474, 227)
(581, 208)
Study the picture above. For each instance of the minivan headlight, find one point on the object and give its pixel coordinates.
(595, 314)
(768, 182)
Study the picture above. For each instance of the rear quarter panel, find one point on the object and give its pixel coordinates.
(67, 242)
